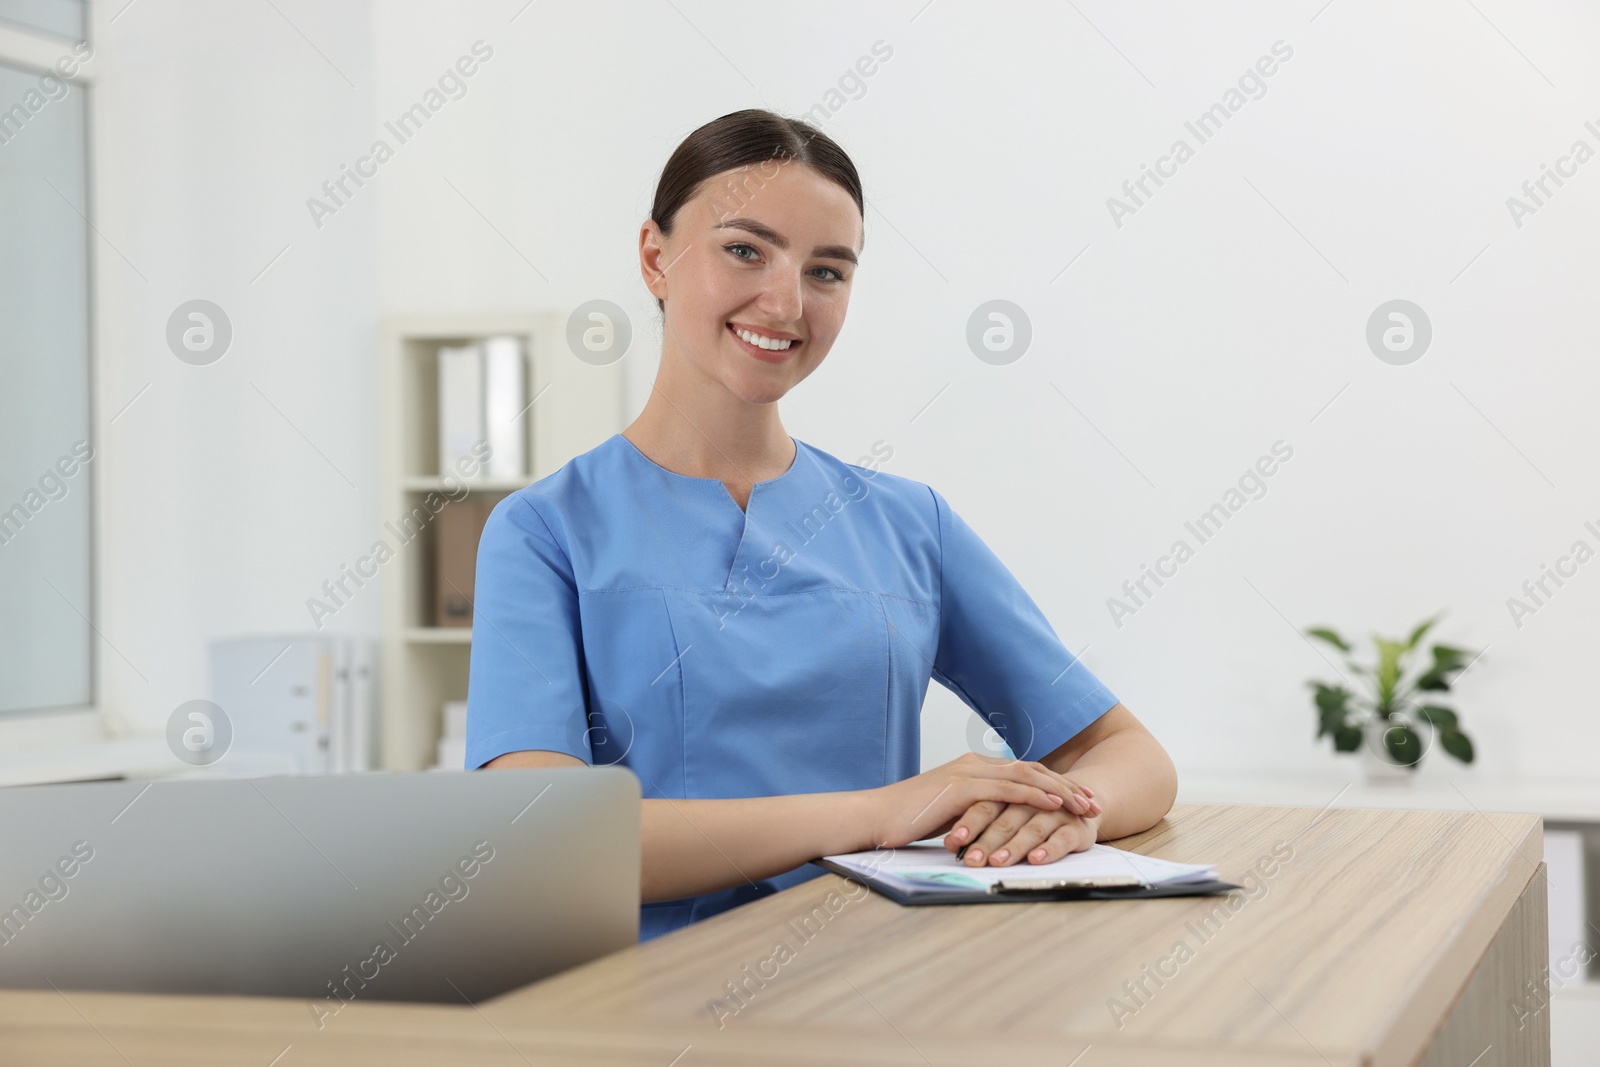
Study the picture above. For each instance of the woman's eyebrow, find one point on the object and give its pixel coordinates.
(768, 234)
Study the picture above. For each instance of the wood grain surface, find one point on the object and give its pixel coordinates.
(1354, 938)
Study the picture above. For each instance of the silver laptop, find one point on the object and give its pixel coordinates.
(423, 886)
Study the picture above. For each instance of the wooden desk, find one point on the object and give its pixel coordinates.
(1573, 807)
(1371, 938)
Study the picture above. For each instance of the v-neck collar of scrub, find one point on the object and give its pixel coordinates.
(745, 511)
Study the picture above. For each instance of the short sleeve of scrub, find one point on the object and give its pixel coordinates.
(999, 654)
(525, 640)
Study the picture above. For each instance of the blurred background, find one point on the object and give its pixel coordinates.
(1306, 288)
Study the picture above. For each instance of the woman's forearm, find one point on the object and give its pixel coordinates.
(1132, 777)
(689, 847)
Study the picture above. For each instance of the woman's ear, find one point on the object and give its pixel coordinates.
(652, 258)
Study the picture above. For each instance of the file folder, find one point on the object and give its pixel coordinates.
(930, 874)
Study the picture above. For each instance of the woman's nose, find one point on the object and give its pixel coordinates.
(782, 297)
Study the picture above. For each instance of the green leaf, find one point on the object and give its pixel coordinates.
(1446, 661)
(1347, 738)
(1416, 635)
(1390, 654)
(1457, 744)
(1333, 707)
(1403, 743)
(1330, 721)
(1329, 636)
(1443, 718)
(1329, 695)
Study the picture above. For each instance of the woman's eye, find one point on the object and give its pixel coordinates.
(738, 248)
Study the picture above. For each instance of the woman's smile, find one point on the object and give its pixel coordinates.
(774, 346)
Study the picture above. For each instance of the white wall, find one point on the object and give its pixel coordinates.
(1223, 316)
(224, 502)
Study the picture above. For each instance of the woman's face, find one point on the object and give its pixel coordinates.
(766, 250)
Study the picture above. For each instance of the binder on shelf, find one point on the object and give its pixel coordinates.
(452, 748)
(459, 527)
(482, 397)
(461, 409)
(296, 703)
(364, 705)
(504, 397)
(338, 703)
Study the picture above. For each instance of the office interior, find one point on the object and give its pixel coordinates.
(1302, 296)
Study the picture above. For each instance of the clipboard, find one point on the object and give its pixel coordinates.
(1024, 889)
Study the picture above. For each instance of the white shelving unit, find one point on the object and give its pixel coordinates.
(572, 407)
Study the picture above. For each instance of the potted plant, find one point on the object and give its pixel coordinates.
(1387, 722)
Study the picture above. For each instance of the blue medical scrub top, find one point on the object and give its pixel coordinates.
(629, 614)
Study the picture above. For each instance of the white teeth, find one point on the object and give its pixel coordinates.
(762, 342)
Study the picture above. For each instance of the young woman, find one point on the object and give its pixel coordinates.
(749, 623)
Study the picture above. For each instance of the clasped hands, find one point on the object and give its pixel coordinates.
(1001, 834)
(1004, 811)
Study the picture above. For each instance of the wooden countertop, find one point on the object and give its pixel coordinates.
(1354, 936)
(1433, 789)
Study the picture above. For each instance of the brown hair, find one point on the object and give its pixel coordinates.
(738, 140)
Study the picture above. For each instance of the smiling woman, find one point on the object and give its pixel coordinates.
(750, 264)
(773, 725)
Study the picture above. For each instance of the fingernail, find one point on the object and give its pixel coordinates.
(1053, 797)
(960, 834)
(974, 858)
(1038, 855)
(1002, 856)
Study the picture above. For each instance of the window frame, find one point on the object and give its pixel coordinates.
(35, 52)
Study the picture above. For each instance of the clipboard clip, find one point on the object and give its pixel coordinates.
(1008, 885)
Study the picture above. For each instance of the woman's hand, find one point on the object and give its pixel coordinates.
(1002, 834)
(931, 802)
(978, 818)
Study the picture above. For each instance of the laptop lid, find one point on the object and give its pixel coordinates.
(425, 886)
